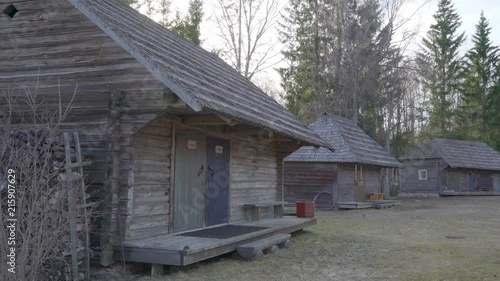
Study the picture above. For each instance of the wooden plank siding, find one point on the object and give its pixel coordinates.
(304, 180)
(485, 179)
(458, 179)
(146, 178)
(410, 182)
(254, 176)
(372, 178)
(347, 183)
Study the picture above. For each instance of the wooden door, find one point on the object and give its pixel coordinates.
(360, 186)
(453, 182)
(189, 181)
(472, 182)
(217, 192)
(496, 183)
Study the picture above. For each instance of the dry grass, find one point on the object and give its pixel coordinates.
(425, 239)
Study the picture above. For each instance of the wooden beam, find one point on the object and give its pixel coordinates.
(195, 120)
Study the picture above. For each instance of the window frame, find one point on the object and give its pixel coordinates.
(420, 177)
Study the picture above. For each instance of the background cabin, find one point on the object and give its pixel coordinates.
(450, 165)
(350, 173)
(178, 139)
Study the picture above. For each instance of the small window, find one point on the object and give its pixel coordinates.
(422, 174)
(10, 11)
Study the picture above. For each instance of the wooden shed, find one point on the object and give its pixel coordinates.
(178, 139)
(350, 173)
(444, 165)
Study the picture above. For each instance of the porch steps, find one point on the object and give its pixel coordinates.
(255, 250)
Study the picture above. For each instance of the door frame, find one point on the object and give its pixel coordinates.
(472, 181)
(177, 126)
(358, 186)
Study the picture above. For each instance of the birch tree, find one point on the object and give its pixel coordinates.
(246, 29)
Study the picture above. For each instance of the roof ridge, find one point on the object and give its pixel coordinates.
(343, 136)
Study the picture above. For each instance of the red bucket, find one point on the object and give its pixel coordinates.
(305, 209)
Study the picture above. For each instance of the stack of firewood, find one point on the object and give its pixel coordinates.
(27, 149)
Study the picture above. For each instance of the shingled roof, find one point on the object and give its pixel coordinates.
(458, 154)
(351, 144)
(201, 79)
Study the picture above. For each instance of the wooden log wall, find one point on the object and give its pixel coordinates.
(304, 180)
(346, 182)
(485, 179)
(409, 176)
(50, 48)
(284, 149)
(146, 193)
(112, 179)
(254, 176)
(372, 178)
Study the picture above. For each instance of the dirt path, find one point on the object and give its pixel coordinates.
(425, 239)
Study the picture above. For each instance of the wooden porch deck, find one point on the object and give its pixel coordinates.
(178, 250)
(354, 205)
(377, 204)
(464, 193)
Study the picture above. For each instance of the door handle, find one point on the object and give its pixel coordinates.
(202, 168)
(211, 171)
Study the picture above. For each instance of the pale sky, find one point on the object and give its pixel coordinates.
(469, 11)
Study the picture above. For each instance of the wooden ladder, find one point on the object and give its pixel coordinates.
(80, 189)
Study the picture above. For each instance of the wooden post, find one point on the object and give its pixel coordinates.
(71, 206)
(282, 182)
(76, 139)
(113, 177)
(172, 179)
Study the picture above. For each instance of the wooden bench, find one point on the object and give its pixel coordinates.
(255, 250)
(256, 207)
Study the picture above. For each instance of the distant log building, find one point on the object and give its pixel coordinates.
(350, 173)
(444, 165)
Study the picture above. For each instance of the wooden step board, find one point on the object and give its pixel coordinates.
(354, 205)
(255, 250)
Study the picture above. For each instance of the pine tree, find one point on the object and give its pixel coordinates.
(300, 78)
(189, 26)
(492, 112)
(439, 65)
(478, 73)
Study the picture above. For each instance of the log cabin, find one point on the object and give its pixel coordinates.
(451, 166)
(178, 139)
(350, 173)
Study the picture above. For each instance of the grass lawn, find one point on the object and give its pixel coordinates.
(426, 239)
